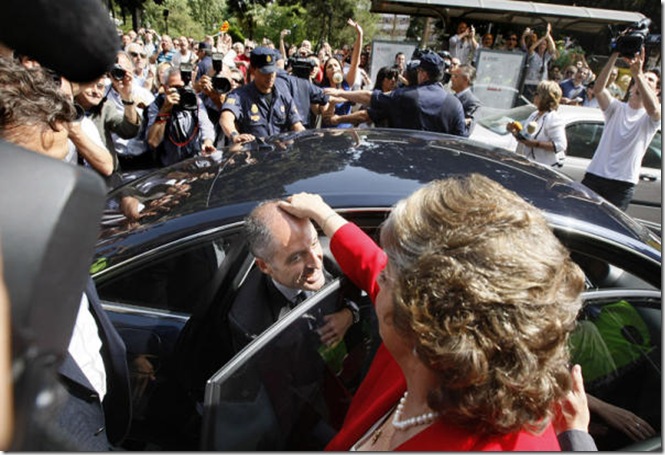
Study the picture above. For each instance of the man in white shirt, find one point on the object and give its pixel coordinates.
(629, 128)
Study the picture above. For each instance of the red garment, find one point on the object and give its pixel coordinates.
(362, 260)
(243, 68)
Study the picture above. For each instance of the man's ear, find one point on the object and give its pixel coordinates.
(263, 266)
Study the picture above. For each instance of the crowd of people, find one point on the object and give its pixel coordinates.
(169, 99)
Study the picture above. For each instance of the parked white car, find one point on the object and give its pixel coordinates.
(584, 126)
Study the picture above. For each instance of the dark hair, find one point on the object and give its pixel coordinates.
(386, 72)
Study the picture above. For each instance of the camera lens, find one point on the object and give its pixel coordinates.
(118, 73)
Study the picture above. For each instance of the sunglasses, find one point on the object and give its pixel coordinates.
(136, 54)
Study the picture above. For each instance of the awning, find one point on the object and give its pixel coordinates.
(521, 14)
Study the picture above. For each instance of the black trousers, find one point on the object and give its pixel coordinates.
(617, 192)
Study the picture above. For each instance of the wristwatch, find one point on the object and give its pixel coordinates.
(234, 134)
(355, 311)
(127, 103)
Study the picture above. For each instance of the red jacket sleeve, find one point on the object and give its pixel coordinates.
(359, 257)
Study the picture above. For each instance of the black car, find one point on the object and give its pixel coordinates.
(168, 277)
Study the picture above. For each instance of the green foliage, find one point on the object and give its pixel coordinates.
(307, 19)
(569, 56)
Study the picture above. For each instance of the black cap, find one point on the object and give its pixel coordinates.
(204, 45)
(263, 59)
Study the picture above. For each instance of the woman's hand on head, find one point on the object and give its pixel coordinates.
(305, 205)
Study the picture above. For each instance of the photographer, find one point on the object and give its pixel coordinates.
(629, 128)
(308, 97)
(178, 124)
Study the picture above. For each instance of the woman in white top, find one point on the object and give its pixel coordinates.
(543, 138)
(541, 52)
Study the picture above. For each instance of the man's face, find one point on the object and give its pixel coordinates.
(175, 80)
(264, 82)
(581, 75)
(166, 44)
(457, 81)
(127, 65)
(461, 28)
(137, 55)
(297, 259)
(91, 94)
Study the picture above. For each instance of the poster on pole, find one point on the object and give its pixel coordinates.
(383, 54)
(499, 77)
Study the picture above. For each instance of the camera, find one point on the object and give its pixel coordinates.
(220, 83)
(188, 100)
(630, 41)
(301, 66)
(118, 72)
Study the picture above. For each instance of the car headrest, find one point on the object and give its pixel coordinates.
(48, 228)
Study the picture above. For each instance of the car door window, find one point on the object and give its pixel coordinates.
(174, 280)
(653, 156)
(285, 390)
(583, 139)
(617, 342)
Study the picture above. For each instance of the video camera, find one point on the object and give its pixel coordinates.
(220, 83)
(630, 41)
(301, 66)
(187, 95)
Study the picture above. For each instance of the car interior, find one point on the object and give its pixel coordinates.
(201, 362)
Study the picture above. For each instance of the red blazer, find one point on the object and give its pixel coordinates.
(362, 260)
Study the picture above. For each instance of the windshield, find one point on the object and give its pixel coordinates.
(495, 120)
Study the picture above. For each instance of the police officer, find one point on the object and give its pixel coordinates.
(426, 106)
(259, 109)
(307, 96)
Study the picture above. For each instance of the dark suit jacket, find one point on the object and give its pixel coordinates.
(255, 308)
(83, 416)
(470, 103)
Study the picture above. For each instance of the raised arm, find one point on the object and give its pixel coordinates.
(602, 94)
(649, 97)
(355, 56)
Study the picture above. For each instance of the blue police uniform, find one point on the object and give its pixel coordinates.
(425, 107)
(255, 115)
(304, 93)
(262, 114)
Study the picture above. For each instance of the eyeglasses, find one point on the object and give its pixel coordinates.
(136, 54)
(249, 48)
(512, 39)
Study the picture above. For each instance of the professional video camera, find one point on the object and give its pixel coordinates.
(187, 95)
(301, 66)
(630, 41)
(220, 83)
(118, 72)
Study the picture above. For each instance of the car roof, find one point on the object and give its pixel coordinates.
(371, 168)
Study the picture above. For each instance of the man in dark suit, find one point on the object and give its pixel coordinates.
(461, 81)
(97, 411)
(95, 421)
(289, 257)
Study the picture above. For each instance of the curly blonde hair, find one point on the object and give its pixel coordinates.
(490, 296)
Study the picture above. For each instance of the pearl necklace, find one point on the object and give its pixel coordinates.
(422, 419)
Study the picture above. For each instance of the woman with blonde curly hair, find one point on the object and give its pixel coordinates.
(475, 299)
(543, 138)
